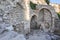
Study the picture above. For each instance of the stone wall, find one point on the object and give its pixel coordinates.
(42, 12)
(15, 12)
(12, 13)
(57, 27)
(16, 16)
(18, 11)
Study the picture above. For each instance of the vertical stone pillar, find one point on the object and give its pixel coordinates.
(26, 9)
(26, 16)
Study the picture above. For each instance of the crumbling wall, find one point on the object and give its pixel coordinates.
(45, 13)
(11, 13)
(15, 12)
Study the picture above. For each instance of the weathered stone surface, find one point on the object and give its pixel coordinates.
(46, 14)
(1, 12)
(26, 27)
(43, 37)
(38, 35)
(4, 27)
(19, 28)
(10, 28)
(12, 36)
(16, 11)
(1, 19)
(19, 37)
(57, 27)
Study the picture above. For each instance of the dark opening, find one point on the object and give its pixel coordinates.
(33, 23)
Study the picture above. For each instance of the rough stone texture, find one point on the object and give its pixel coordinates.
(40, 35)
(4, 26)
(15, 15)
(18, 11)
(11, 36)
(10, 11)
(46, 14)
(57, 27)
(27, 27)
(43, 37)
(19, 28)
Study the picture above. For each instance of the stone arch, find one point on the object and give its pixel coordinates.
(45, 16)
(50, 8)
(33, 22)
(51, 12)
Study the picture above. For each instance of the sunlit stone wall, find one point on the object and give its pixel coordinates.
(26, 9)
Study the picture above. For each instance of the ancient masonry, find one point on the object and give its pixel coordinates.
(18, 14)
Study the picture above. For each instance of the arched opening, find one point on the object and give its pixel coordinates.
(33, 23)
(45, 16)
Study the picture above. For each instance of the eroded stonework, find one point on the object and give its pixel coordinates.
(16, 16)
(17, 12)
(46, 16)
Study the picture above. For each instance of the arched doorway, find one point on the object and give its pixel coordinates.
(33, 23)
(45, 16)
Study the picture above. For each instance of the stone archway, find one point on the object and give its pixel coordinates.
(33, 22)
(49, 15)
(45, 17)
